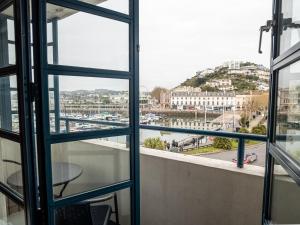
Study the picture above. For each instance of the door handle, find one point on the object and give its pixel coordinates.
(265, 28)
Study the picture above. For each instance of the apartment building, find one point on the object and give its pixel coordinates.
(202, 100)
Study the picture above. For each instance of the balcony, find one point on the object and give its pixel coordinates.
(72, 108)
(175, 188)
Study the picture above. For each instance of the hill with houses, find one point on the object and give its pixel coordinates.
(231, 76)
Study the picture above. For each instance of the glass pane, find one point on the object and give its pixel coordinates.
(113, 208)
(10, 168)
(49, 32)
(116, 5)
(89, 103)
(11, 29)
(9, 104)
(50, 54)
(7, 53)
(11, 54)
(99, 43)
(89, 164)
(285, 198)
(11, 213)
(290, 25)
(288, 110)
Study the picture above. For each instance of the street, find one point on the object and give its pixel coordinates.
(259, 149)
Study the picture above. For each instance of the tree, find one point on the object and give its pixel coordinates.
(251, 106)
(155, 143)
(244, 120)
(105, 100)
(209, 88)
(155, 93)
(262, 101)
(257, 103)
(259, 129)
(223, 143)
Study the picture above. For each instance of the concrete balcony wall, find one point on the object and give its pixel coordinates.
(186, 190)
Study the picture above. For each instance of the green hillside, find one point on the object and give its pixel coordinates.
(240, 82)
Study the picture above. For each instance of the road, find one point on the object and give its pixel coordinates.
(259, 149)
(255, 121)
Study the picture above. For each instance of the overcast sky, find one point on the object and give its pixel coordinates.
(177, 39)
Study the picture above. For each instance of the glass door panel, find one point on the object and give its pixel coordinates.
(100, 43)
(288, 110)
(11, 213)
(121, 6)
(88, 103)
(86, 138)
(113, 208)
(9, 118)
(283, 158)
(85, 165)
(289, 24)
(7, 53)
(16, 191)
(285, 197)
(10, 165)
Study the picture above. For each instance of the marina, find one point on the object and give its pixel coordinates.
(76, 122)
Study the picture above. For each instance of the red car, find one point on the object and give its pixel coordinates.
(249, 158)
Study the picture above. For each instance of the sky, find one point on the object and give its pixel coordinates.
(176, 40)
(179, 39)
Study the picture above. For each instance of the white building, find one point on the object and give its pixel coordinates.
(241, 100)
(121, 98)
(146, 101)
(263, 87)
(223, 84)
(203, 73)
(263, 75)
(261, 72)
(232, 65)
(202, 100)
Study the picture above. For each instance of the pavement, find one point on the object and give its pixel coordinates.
(255, 121)
(259, 149)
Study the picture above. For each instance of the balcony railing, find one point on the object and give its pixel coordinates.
(241, 137)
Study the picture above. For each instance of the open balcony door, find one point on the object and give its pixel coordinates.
(57, 168)
(282, 180)
(81, 49)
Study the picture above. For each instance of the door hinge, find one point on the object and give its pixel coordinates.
(288, 23)
(138, 48)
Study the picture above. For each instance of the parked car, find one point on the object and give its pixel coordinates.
(249, 158)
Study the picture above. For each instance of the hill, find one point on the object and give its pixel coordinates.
(237, 76)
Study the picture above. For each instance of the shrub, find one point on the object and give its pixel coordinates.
(259, 129)
(155, 143)
(244, 121)
(223, 143)
(243, 130)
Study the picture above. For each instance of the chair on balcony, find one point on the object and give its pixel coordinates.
(12, 207)
(18, 189)
(90, 212)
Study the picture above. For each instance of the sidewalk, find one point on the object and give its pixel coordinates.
(255, 122)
